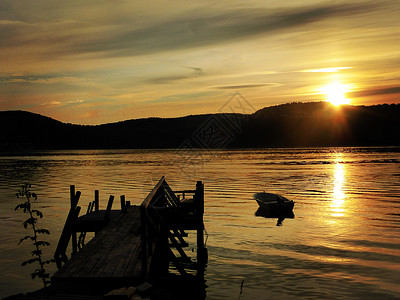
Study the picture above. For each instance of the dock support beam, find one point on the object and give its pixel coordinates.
(67, 233)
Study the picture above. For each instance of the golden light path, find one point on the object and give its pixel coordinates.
(338, 196)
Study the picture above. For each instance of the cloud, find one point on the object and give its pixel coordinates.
(171, 78)
(208, 29)
(375, 92)
(186, 97)
(326, 70)
(196, 28)
(243, 86)
(198, 71)
(62, 103)
(11, 22)
(42, 79)
(52, 103)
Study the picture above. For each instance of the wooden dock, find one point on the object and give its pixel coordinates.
(132, 245)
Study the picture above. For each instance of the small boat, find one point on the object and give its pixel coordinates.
(273, 203)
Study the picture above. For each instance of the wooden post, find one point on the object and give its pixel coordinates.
(74, 239)
(108, 210)
(76, 209)
(72, 195)
(60, 255)
(96, 200)
(123, 204)
(143, 228)
(199, 204)
(90, 208)
(199, 199)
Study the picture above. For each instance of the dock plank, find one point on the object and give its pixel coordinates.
(107, 254)
(128, 238)
(112, 241)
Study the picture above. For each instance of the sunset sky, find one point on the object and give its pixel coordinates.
(92, 62)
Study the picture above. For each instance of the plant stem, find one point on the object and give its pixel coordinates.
(35, 236)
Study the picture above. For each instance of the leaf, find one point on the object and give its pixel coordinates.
(49, 261)
(42, 243)
(29, 261)
(38, 213)
(37, 252)
(25, 238)
(27, 206)
(43, 231)
(40, 273)
(29, 221)
(19, 206)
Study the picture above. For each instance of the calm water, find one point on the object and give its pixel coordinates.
(344, 242)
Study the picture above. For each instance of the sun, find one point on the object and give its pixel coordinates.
(336, 93)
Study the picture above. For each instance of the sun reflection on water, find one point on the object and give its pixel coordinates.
(339, 195)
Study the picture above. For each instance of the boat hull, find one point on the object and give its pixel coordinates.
(273, 203)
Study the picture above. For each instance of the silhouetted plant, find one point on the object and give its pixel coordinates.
(31, 222)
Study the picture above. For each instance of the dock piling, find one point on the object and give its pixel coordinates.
(96, 200)
(123, 204)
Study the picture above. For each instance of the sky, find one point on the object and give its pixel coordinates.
(94, 62)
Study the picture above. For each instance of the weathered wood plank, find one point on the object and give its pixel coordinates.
(134, 267)
(110, 238)
(122, 244)
(89, 259)
(125, 256)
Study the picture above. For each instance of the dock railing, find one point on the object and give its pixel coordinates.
(165, 217)
(73, 224)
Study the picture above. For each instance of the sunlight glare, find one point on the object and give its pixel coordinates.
(336, 93)
(339, 195)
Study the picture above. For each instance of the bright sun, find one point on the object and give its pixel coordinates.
(336, 93)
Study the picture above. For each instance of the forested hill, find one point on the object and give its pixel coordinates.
(286, 125)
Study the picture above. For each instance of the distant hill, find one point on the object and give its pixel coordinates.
(321, 124)
(286, 125)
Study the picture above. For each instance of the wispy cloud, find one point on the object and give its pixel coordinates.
(326, 70)
(196, 72)
(193, 29)
(34, 79)
(377, 91)
(187, 97)
(243, 86)
(62, 103)
(11, 22)
(199, 30)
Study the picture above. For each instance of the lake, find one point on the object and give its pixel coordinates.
(343, 242)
